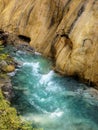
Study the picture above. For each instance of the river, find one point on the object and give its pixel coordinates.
(49, 100)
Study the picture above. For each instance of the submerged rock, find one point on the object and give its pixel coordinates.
(93, 93)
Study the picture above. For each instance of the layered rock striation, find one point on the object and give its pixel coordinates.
(66, 30)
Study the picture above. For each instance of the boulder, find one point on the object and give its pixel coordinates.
(9, 68)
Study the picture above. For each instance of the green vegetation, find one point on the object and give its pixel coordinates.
(9, 120)
(6, 58)
(7, 63)
(8, 117)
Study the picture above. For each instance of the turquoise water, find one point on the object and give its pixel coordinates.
(51, 101)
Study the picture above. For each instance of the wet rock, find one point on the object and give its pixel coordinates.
(6, 87)
(25, 48)
(11, 73)
(3, 63)
(17, 64)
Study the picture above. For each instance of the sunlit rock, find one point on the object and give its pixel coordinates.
(10, 68)
(63, 29)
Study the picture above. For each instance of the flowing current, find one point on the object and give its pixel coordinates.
(51, 101)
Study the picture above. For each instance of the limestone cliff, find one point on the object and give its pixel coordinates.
(66, 30)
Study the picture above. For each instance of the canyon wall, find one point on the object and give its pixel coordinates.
(66, 30)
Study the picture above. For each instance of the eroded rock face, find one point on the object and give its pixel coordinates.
(67, 30)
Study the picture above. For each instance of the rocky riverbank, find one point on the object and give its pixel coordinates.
(9, 120)
(7, 64)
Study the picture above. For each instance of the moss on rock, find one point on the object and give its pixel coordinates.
(8, 117)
